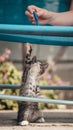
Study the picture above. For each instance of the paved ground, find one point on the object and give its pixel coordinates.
(55, 120)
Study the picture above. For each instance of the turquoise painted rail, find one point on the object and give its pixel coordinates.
(47, 40)
(13, 86)
(32, 99)
(31, 29)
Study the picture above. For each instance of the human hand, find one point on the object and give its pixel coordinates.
(43, 14)
(48, 17)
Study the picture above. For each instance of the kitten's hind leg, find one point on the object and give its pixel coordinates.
(22, 118)
(37, 117)
(40, 120)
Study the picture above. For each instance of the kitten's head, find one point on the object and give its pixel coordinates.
(38, 67)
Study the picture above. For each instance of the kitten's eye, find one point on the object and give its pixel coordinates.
(40, 64)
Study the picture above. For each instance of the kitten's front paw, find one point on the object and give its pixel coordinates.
(23, 123)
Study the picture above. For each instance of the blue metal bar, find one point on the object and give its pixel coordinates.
(44, 40)
(32, 28)
(13, 86)
(9, 86)
(56, 87)
(33, 99)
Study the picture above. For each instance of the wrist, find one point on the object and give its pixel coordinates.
(52, 17)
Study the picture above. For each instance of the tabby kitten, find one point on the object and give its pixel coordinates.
(29, 111)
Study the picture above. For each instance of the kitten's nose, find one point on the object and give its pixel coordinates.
(37, 65)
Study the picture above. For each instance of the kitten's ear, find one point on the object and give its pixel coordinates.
(34, 59)
(46, 65)
(51, 67)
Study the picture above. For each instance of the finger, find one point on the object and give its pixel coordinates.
(32, 8)
(32, 20)
(29, 14)
(40, 13)
(42, 22)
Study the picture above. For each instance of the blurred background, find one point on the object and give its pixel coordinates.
(11, 54)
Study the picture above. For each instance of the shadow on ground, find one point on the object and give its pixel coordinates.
(8, 118)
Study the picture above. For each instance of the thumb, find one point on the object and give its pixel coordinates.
(40, 13)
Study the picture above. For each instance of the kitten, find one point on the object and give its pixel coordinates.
(29, 111)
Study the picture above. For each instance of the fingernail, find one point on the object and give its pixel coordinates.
(33, 11)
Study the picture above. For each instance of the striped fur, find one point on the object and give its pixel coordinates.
(29, 111)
